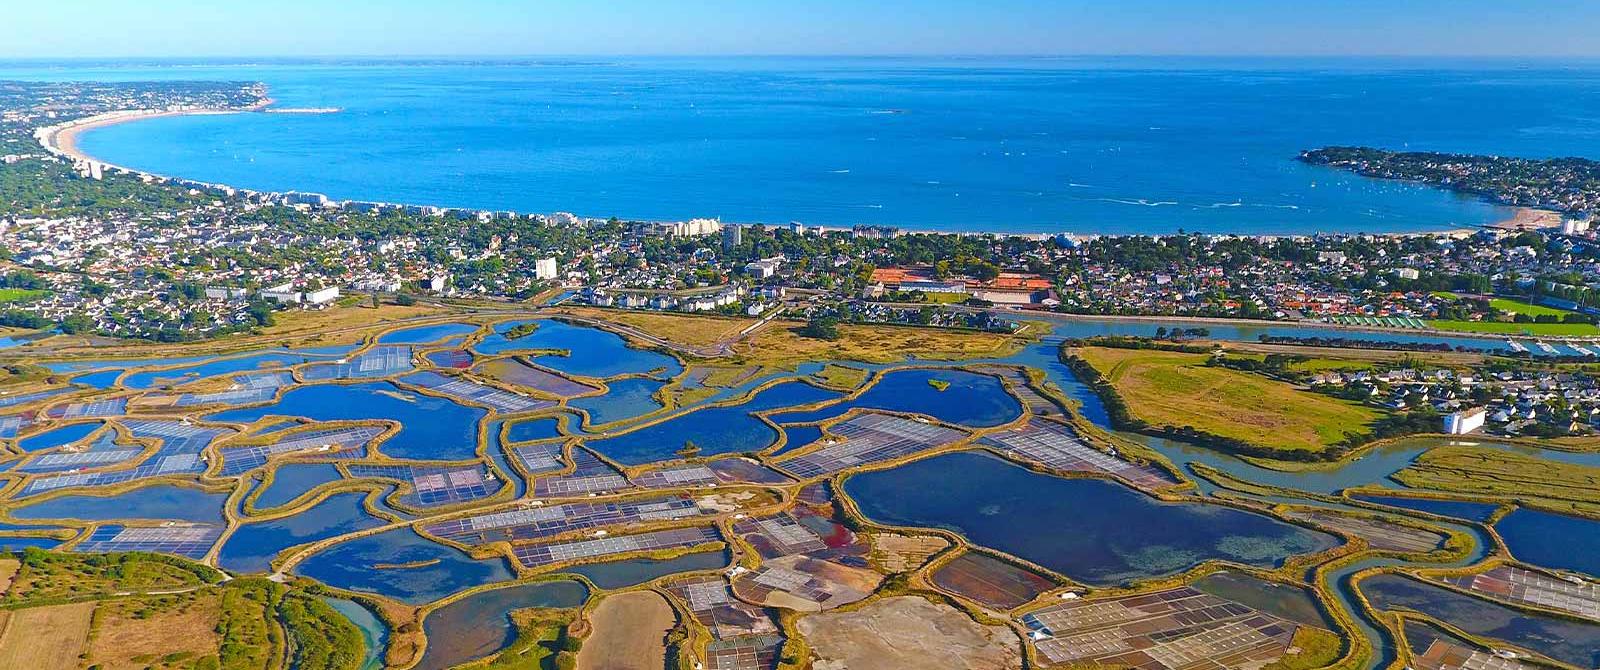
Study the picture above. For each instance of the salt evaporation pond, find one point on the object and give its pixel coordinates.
(480, 624)
(1091, 530)
(402, 565)
(434, 428)
(634, 571)
(291, 480)
(627, 398)
(252, 547)
(716, 430)
(1552, 540)
(165, 502)
(971, 399)
(1565, 640)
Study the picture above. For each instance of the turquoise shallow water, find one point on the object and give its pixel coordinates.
(1084, 144)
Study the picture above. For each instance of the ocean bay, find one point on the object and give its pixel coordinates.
(1014, 145)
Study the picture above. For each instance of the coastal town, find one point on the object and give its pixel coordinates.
(117, 252)
(255, 429)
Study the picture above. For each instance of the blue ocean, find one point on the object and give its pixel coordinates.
(1084, 145)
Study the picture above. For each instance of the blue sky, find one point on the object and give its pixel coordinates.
(189, 28)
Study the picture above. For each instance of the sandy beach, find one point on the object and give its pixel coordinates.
(63, 139)
(1528, 218)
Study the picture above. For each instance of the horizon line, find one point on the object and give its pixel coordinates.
(887, 56)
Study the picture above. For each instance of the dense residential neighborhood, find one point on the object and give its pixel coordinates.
(1512, 401)
(124, 253)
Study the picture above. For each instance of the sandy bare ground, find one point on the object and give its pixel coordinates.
(8, 572)
(630, 631)
(908, 632)
(1528, 218)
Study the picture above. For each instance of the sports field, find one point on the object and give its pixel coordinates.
(1176, 389)
(1520, 307)
(10, 295)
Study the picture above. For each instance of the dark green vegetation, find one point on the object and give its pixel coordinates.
(522, 330)
(322, 637)
(542, 642)
(45, 577)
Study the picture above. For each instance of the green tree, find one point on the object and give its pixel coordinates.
(821, 328)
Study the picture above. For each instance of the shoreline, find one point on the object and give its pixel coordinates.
(61, 140)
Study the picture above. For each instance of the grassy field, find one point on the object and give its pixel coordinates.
(721, 376)
(1504, 328)
(46, 637)
(1520, 307)
(940, 298)
(8, 571)
(842, 376)
(1341, 358)
(146, 612)
(156, 631)
(308, 322)
(1492, 472)
(11, 295)
(321, 327)
(782, 345)
(1317, 647)
(690, 330)
(1176, 389)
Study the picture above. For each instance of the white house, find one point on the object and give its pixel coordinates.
(322, 296)
(1465, 421)
(764, 268)
(282, 293)
(545, 268)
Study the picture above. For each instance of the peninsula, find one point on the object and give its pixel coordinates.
(1569, 185)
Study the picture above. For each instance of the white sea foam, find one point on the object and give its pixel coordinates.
(1140, 202)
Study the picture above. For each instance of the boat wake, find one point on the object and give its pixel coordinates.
(1140, 202)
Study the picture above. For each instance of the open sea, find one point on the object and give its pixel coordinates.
(1085, 145)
